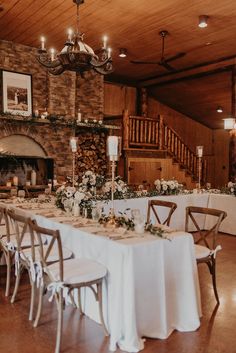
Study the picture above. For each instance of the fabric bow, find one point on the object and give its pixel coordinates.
(10, 246)
(36, 272)
(56, 287)
(213, 252)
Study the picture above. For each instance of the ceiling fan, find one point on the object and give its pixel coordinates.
(163, 61)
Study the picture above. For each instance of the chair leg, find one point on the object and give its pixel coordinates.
(79, 302)
(32, 299)
(213, 274)
(17, 282)
(99, 292)
(8, 280)
(40, 304)
(59, 322)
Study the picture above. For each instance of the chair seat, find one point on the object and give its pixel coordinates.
(53, 257)
(78, 271)
(201, 251)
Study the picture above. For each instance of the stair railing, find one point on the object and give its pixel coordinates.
(149, 133)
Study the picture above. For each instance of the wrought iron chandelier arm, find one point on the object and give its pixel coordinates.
(105, 69)
(47, 63)
(97, 64)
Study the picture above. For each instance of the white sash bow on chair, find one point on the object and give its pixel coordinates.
(213, 252)
(55, 287)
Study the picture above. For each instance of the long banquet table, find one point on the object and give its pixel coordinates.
(223, 202)
(152, 284)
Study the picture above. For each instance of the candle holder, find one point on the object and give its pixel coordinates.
(113, 154)
(73, 145)
(199, 152)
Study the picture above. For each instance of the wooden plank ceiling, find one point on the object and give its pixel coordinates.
(135, 25)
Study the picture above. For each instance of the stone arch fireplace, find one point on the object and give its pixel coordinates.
(21, 145)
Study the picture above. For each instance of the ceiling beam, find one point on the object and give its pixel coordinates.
(202, 69)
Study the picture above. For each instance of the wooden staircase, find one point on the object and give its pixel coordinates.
(156, 137)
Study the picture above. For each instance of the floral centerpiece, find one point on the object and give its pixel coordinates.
(90, 182)
(229, 189)
(120, 188)
(68, 196)
(168, 187)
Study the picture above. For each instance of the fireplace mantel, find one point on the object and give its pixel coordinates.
(60, 121)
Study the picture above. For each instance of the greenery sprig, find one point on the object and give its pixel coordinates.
(156, 231)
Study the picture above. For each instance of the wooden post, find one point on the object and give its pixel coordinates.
(161, 131)
(232, 143)
(126, 129)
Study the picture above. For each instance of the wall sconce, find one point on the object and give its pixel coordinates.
(122, 52)
(229, 124)
(203, 21)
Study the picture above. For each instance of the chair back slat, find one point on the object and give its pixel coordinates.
(204, 235)
(153, 206)
(53, 243)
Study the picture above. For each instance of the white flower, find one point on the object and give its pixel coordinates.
(79, 196)
(230, 184)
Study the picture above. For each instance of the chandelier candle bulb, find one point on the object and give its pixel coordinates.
(109, 52)
(52, 54)
(199, 151)
(70, 34)
(42, 39)
(105, 38)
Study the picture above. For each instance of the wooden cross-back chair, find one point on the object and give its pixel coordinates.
(4, 249)
(21, 244)
(154, 205)
(205, 253)
(62, 277)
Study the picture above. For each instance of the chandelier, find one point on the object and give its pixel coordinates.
(76, 55)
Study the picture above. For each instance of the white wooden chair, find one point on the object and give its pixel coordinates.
(63, 277)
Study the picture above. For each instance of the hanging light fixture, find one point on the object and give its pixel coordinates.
(122, 52)
(203, 21)
(219, 109)
(76, 55)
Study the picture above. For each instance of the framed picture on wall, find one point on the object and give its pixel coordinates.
(17, 93)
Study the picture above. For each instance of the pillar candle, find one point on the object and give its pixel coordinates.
(112, 145)
(15, 180)
(33, 177)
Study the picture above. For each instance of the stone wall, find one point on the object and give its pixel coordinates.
(60, 95)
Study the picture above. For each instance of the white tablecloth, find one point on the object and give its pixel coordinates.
(152, 285)
(226, 203)
(219, 201)
(178, 217)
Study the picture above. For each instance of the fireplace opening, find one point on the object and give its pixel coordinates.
(20, 169)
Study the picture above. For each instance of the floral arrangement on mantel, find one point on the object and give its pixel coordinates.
(168, 187)
(230, 189)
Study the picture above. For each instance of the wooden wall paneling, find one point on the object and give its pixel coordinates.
(118, 98)
(221, 154)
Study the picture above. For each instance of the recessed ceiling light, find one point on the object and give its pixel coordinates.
(219, 109)
(203, 21)
(122, 52)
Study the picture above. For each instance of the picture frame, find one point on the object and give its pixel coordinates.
(17, 93)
